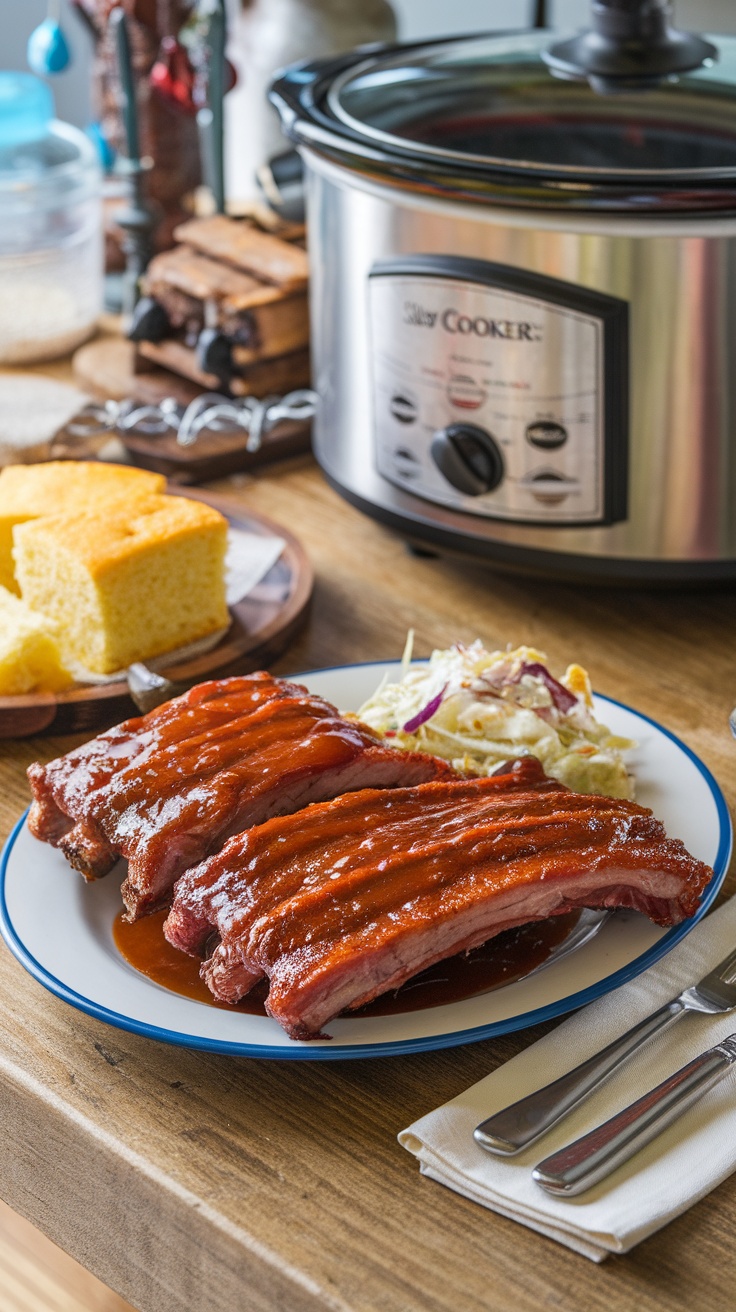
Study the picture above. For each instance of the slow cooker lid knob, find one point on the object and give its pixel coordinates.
(631, 45)
(468, 457)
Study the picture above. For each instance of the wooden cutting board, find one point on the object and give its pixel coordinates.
(263, 624)
(106, 368)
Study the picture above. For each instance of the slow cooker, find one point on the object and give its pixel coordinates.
(523, 283)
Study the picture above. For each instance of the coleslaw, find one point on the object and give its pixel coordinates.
(478, 709)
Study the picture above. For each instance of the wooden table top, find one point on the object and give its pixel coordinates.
(188, 1181)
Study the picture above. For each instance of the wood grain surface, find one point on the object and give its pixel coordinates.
(190, 1182)
(37, 1276)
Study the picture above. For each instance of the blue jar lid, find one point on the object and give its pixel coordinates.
(26, 109)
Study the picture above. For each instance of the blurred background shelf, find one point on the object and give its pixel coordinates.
(416, 18)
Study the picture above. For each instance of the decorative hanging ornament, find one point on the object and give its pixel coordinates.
(231, 75)
(47, 50)
(180, 72)
(105, 150)
(173, 76)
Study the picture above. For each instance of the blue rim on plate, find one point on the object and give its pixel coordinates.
(297, 1052)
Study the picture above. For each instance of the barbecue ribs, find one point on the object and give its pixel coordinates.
(168, 788)
(352, 897)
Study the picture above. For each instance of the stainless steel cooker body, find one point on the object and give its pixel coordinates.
(524, 301)
(597, 353)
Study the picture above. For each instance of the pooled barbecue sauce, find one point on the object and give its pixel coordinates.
(144, 947)
(507, 957)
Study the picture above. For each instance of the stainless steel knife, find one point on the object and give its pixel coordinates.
(591, 1158)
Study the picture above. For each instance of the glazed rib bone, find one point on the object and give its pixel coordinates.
(351, 898)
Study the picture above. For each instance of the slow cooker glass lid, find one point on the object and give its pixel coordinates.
(493, 101)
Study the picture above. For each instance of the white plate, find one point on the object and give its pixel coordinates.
(60, 928)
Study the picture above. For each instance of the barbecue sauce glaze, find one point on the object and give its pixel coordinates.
(507, 957)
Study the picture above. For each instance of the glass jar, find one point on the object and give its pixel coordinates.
(51, 241)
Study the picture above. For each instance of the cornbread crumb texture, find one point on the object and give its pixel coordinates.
(126, 585)
(29, 651)
(59, 487)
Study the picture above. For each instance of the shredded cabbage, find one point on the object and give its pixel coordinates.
(478, 708)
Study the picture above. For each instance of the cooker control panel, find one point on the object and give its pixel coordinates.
(500, 392)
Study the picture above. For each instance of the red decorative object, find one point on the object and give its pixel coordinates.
(231, 76)
(179, 81)
(173, 77)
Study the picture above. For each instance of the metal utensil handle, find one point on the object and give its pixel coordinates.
(590, 1159)
(215, 98)
(147, 688)
(119, 25)
(514, 1128)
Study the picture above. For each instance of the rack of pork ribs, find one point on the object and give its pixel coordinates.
(289, 842)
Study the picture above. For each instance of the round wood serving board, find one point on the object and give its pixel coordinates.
(263, 624)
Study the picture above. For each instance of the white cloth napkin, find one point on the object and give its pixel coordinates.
(249, 558)
(683, 1164)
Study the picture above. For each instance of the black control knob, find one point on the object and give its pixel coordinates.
(468, 457)
(546, 434)
(214, 354)
(149, 321)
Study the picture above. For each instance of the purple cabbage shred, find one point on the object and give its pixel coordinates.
(563, 699)
(426, 712)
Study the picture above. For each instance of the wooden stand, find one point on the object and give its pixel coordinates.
(107, 368)
(261, 627)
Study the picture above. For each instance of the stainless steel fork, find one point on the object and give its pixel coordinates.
(525, 1121)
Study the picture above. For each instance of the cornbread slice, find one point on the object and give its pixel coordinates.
(61, 486)
(29, 652)
(126, 585)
